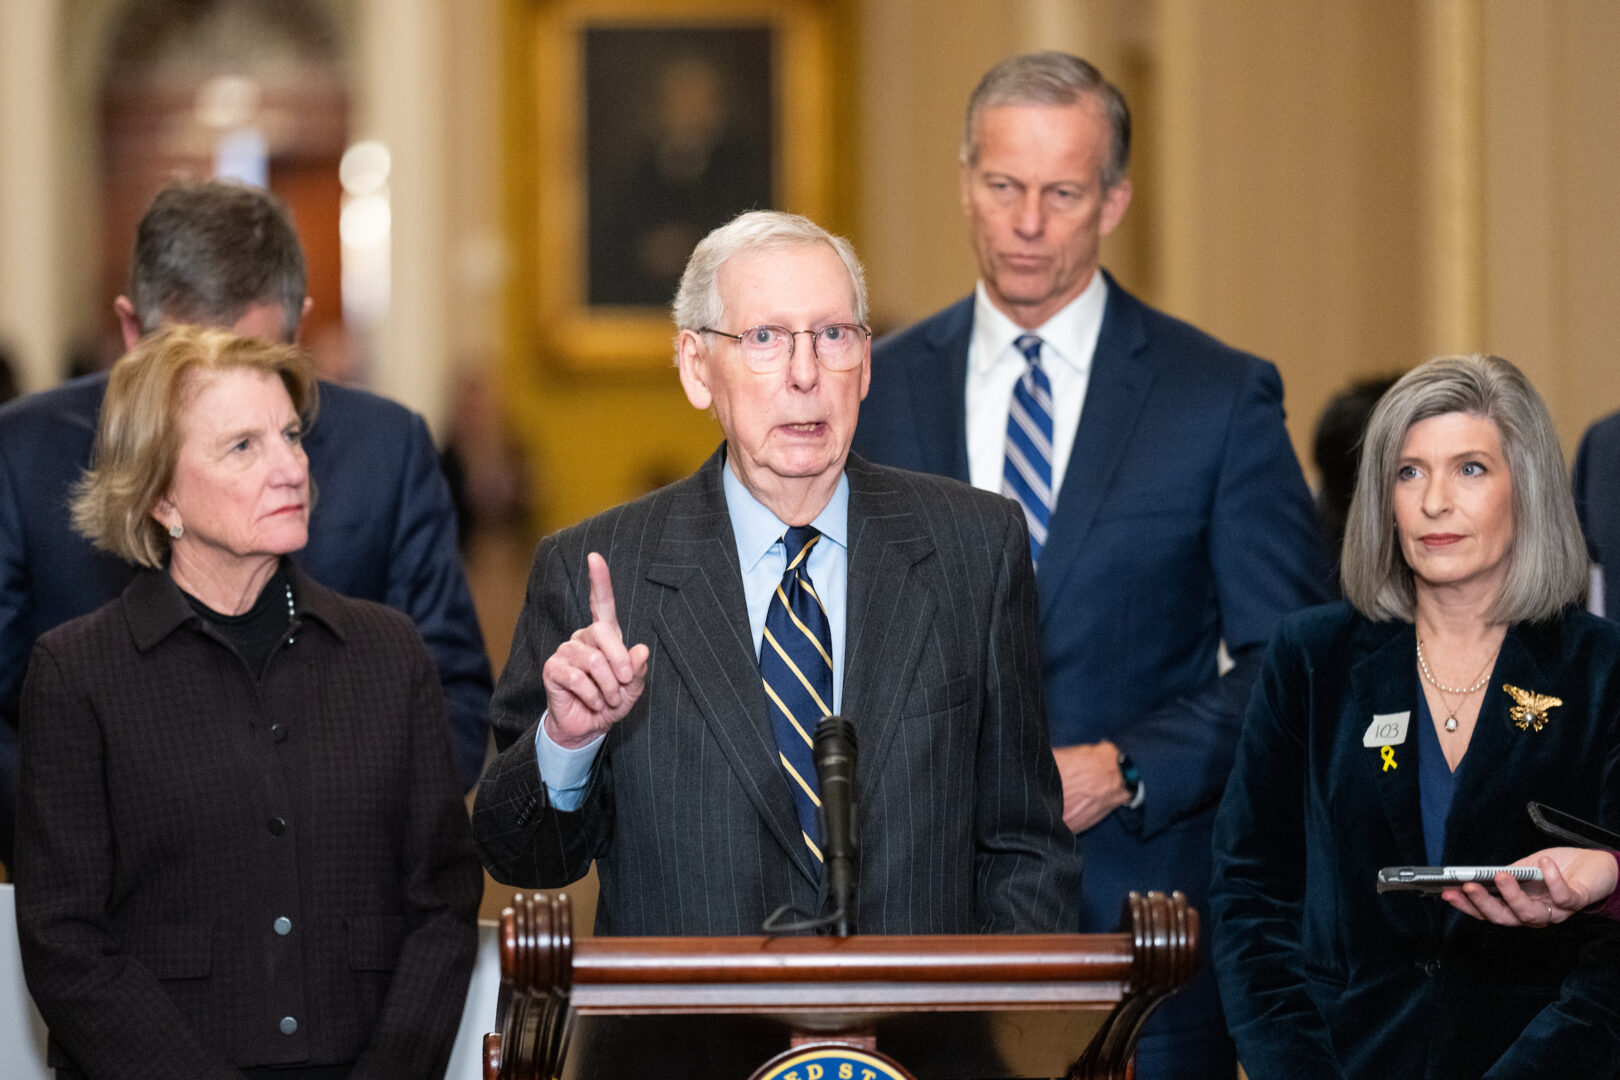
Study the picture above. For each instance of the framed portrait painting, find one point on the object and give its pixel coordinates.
(656, 121)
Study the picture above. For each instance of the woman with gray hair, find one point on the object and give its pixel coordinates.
(1409, 725)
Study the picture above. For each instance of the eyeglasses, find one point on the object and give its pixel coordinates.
(838, 346)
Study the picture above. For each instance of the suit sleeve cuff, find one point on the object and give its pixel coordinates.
(566, 773)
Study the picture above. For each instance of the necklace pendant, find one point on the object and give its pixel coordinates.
(1451, 723)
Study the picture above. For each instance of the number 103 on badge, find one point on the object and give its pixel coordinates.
(1387, 731)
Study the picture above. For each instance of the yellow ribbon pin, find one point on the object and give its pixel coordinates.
(1388, 754)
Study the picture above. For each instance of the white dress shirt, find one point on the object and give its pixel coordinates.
(995, 365)
(762, 557)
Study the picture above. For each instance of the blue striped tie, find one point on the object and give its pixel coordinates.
(795, 661)
(1027, 475)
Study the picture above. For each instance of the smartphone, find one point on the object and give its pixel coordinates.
(1571, 829)
(1431, 879)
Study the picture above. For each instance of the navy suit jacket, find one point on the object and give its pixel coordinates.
(1322, 975)
(1183, 520)
(1597, 500)
(383, 529)
(689, 816)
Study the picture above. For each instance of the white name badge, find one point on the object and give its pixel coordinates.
(1386, 729)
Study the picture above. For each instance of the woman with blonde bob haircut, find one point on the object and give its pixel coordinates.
(241, 846)
(139, 437)
(1408, 725)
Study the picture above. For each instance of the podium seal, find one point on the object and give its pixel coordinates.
(831, 1061)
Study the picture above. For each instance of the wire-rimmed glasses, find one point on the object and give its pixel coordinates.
(838, 346)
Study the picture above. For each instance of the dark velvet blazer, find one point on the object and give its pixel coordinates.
(689, 817)
(1323, 976)
(217, 871)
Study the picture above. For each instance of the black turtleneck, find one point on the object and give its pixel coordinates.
(255, 633)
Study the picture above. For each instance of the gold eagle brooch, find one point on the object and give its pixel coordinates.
(1531, 710)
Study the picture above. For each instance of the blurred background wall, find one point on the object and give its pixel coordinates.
(1343, 188)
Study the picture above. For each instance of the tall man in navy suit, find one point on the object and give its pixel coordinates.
(225, 254)
(1167, 511)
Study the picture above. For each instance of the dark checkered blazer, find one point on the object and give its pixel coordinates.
(175, 810)
(689, 817)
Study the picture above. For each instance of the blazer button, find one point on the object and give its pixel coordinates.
(1431, 968)
(278, 732)
(288, 1025)
(277, 825)
(283, 925)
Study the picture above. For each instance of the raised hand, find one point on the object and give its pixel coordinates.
(592, 680)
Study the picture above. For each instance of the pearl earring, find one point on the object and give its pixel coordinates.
(177, 530)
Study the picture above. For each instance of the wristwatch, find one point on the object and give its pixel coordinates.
(1133, 780)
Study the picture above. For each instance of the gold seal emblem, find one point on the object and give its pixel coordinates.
(831, 1061)
(1531, 710)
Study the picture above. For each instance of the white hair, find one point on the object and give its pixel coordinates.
(697, 301)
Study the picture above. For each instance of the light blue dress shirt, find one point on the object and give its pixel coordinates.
(762, 558)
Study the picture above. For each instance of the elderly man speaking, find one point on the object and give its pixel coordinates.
(674, 653)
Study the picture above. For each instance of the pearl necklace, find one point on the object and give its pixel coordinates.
(1479, 683)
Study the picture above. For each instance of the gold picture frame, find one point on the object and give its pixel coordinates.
(609, 63)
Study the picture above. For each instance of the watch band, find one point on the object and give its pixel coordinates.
(1133, 778)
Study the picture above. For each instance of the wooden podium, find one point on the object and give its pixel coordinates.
(943, 1006)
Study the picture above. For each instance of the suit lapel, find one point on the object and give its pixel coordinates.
(940, 418)
(888, 612)
(1115, 393)
(702, 623)
(1385, 681)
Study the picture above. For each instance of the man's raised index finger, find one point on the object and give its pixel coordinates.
(609, 638)
(603, 609)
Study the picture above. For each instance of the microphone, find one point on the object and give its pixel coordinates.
(833, 749)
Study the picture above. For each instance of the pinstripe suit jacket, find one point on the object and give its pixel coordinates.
(688, 815)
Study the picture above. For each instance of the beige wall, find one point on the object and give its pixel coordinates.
(49, 179)
(914, 81)
(1551, 199)
(1290, 168)
(30, 209)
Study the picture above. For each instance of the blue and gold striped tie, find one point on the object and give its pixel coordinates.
(1027, 474)
(795, 661)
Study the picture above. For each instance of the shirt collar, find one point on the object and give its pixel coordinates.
(155, 607)
(756, 528)
(1070, 335)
